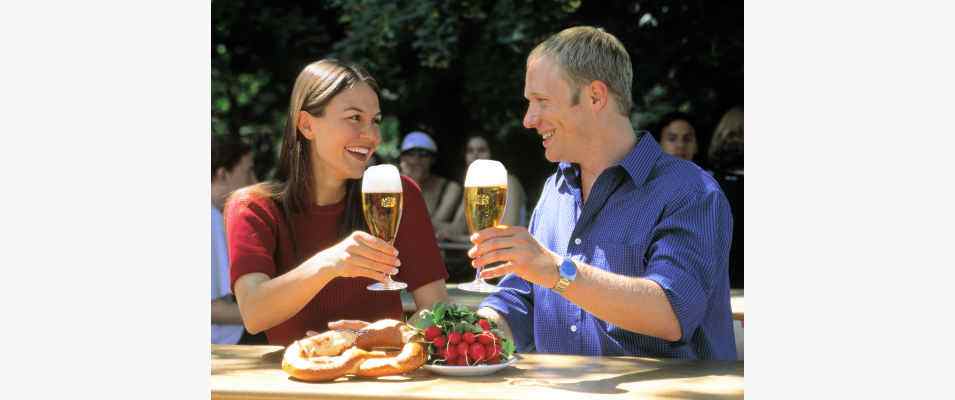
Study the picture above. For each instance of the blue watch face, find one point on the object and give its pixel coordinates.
(568, 269)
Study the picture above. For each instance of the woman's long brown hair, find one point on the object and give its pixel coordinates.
(315, 87)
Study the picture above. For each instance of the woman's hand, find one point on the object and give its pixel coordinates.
(348, 324)
(359, 255)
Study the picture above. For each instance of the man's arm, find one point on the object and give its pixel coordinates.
(592, 288)
(491, 314)
(225, 311)
(686, 259)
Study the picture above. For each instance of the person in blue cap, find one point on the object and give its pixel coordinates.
(442, 195)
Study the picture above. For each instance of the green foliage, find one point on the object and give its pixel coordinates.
(457, 67)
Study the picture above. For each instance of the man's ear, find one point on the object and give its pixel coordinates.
(305, 125)
(597, 95)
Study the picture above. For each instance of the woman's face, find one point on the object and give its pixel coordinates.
(679, 139)
(476, 149)
(346, 135)
(416, 163)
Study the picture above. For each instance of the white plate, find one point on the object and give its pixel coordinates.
(477, 370)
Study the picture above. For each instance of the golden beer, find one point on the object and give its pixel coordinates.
(485, 196)
(382, 214)
(381, 203)
(484, 206)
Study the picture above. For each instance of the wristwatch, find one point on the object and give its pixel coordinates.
(568, 272)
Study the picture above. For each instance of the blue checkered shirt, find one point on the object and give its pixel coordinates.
(652, 216)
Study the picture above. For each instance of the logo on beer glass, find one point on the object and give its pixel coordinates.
(388, 202)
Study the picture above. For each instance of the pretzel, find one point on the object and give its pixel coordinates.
(333, 354)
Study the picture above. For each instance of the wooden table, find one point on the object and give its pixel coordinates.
(472, 299)
(253, 372)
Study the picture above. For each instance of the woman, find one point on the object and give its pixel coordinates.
(726, 157)
(300, 255)
(442, 195)
(515, 210)
(677, 136)
(726, 148)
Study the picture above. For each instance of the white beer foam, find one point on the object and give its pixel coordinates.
(486, 173)
(382, 178)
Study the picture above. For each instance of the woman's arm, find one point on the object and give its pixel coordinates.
(425, 297)
(225, 311)
(447, 205)
(515, 202)
(265, 303)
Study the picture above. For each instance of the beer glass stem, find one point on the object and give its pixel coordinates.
(479, 284)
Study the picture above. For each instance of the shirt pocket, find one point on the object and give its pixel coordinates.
(624, 259)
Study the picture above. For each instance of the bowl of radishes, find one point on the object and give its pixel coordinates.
(462, 343)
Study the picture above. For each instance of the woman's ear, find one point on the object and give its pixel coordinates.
(305, 125)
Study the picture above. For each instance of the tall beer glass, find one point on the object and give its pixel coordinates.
(381, 203)
(485, 194)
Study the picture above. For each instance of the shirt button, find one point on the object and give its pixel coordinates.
(573, 328)
(577, 241)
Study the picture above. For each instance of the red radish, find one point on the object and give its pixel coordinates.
(463, 349)
(485, 324)
(432, 332)
(461, 362)
(486, 337)
(468, 337)
(493, 352)
(476, 352)
(440, 341)
(438, 353)
(454, 338)
(451, 353)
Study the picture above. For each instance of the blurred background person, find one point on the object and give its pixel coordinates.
(677, 136)
(232, 168)
(726, 148)
(441, 195)
(726, 158)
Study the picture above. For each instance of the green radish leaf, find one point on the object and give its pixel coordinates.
(424, 323)
(507, 348)
(439, 311)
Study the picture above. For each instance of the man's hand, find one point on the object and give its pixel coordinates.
(518, 250)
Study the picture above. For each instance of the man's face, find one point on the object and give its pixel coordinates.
(551, 113)
(679, 139)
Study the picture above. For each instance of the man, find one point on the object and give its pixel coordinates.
(626, 251)
(232, 168)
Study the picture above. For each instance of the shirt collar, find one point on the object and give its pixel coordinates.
(638, 162)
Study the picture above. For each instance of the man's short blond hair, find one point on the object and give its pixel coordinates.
(586, 54)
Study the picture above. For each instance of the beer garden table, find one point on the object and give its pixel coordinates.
(253, 372)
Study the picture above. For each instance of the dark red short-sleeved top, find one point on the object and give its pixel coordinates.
(258, 241)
